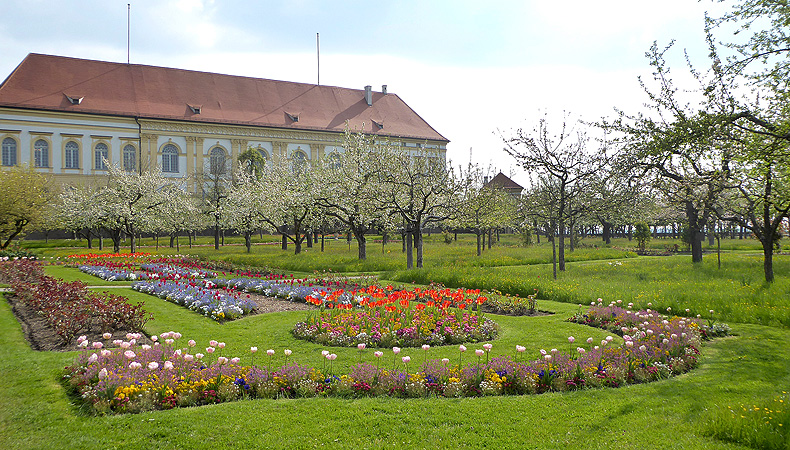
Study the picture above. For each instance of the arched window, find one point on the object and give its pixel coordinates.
(41, 153)
(129, 158)
(9, 152)
(170, 158)
(333, 160)
(102, 153)
(217, 165)
(299, 162)
(72, 155)
(264, 154)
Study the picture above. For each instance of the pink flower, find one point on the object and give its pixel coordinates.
(378, 354)
(198, 356)
(609, 339)
(462, 348)
(93, 358)
(361, 346)
(153, 365)
(210, 350)
(571, 339)
(270, 352)
(580, 350)
(547, 357)
(134, 365)
(81, 338)
(629, 344)
(642, 348)
(125, 344)
(521, 348)
(189, 358)
(331, 357)
(106, 353)
(324, 352)
(254, 349)
(479, 352)
(106, 335)
(543, 352)
(235, 360)
(213, 343)
(396, 350)
(426, 347)
(445, 361)
(191, 343)
(129, 354)
(103, 373)
(98, 345)
(168, 365)
(287, 352)
(554, 351)
(589, 340)
(145, 347)
(488, 347)
(222, 360)
(83, 344)
(169, 341)
(176, 335)
(220, 345)
(406, 359)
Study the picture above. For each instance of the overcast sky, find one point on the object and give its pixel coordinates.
(474, 70)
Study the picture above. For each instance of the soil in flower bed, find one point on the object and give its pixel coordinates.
(274, 304)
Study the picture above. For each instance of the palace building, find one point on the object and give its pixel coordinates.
(67, 116)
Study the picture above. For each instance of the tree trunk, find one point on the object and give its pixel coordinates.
(554, 252)
(285, 240)
(409, 249)
(309, 239)
(322, 241)
(216, 237)
(490, 235)
(479, 251)
(362, 252)
(418, 240)
(173, 239)
(561, 258)
(132, 243)
(248, 241)
(116, 241)
(607, 232)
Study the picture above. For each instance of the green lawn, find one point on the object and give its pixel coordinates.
(750, 367)
(35, 413)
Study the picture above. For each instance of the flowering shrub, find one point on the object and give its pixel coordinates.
(136, 378)
(217, 304)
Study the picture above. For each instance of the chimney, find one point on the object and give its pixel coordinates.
(384, 89)
(369, 95)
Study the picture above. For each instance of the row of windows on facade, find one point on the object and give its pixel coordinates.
(101, 155)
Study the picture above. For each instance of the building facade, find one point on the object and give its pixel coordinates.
(68, 117)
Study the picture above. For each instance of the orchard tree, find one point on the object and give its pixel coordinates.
(247, 206)
(562, 162)
(131, 202)
(292, 197)
(79, 210)
(25, 195)
(349, 186)
(418, 191)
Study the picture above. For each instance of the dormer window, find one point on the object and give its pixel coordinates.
(293, 117)
(195, 108)
(74, 99)
(379, 125)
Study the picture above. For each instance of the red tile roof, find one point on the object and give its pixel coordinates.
(503, 181)
(45, 82)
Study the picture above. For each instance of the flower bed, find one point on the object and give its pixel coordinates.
(200, 296)
(618, 319)
(386, 317)
(70, 308)
(134, 378)
(108, 274)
